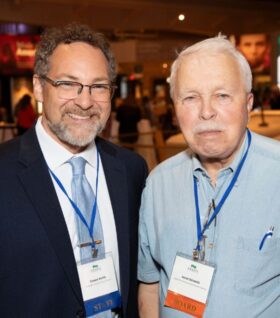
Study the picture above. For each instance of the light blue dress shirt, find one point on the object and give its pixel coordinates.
(247, 280)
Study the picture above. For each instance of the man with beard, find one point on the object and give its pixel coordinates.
(69, 199)
(209, 217)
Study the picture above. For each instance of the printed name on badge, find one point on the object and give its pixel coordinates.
(189, 286)
(99, 286)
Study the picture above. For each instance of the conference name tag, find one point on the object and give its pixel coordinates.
(189, 286)
(99, 286)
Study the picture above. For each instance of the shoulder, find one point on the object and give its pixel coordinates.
(265, 147)
(9, 149)
(173, 167)
(23, 150)
(117, 151)
(112, 152)
(9, 160)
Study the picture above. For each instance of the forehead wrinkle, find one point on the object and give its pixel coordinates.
(79, 62)
(195, 74)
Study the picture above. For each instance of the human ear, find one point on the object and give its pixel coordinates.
(37, 89)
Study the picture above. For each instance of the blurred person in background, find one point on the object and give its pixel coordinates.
(145, 141)
(167, 122)
(128, 115)
(256, 49)
(24, 114)
(148, 110)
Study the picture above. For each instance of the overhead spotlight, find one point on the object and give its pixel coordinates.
(164, 65)
(181, 17)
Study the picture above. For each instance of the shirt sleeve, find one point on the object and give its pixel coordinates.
(148, 269)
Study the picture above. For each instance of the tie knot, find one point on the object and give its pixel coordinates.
(78, 165)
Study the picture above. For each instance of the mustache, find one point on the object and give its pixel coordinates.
(81, 112)
(203, 127)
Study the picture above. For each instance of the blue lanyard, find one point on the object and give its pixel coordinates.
(225, 195)
(75, 207)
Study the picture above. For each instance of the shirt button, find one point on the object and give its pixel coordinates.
(80, 313)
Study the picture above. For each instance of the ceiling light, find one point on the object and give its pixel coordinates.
(181, 17)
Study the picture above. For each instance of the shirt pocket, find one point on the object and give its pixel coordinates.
(257, 272)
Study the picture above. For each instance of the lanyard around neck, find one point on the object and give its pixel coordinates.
(217, 209)
(76, 208)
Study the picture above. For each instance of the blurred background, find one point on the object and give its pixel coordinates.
(145, 36)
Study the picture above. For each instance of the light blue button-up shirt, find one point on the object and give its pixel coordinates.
(247, 280)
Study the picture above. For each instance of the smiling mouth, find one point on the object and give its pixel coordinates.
(80, 117)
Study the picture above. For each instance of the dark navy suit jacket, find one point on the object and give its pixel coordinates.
(38, 273)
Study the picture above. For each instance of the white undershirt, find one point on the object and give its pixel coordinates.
(56, 157)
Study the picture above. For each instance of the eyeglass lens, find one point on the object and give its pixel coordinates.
(71, 90)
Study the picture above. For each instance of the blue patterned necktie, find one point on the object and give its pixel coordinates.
(84, 198)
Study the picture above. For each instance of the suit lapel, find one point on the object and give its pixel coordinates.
(36, 180)
(116, 180)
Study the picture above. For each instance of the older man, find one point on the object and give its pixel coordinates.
(209, 220)
(69, 199)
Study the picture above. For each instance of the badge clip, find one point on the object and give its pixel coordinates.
(94, 250)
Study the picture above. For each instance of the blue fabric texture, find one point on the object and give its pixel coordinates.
(247, 280)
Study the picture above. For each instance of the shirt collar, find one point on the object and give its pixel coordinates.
(198, 168)
(55, 154)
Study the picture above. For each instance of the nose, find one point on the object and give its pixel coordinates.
(84, 99)
(254, 49)
(207, 109)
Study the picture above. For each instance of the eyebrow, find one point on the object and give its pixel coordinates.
(74, 78)
(215, 89)
(187, 91)
(99, 79)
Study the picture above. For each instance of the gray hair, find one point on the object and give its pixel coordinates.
(70, 33)
(218, 44)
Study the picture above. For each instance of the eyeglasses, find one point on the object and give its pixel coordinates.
(71, 90)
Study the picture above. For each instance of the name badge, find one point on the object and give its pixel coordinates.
(189, 286)
(99, 286)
